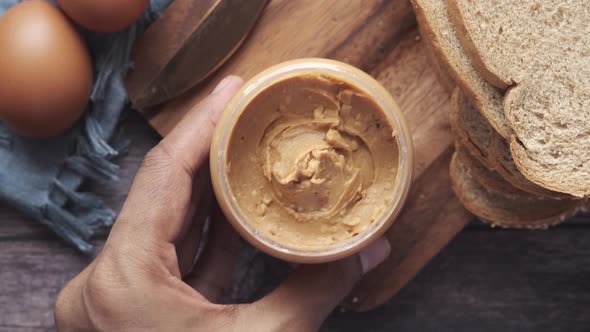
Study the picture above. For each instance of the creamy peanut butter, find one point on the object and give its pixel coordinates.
(312, 162)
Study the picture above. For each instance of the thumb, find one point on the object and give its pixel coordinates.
(167, 188)
(189, 142)
(312, 292)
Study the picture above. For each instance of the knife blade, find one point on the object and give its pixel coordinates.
(168, 60)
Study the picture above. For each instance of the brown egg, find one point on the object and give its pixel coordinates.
(104, 15)
(45, 70)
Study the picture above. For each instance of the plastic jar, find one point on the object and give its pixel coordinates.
(231, 115)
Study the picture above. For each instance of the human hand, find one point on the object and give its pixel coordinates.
(146, 277)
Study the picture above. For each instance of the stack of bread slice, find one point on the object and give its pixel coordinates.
(519, 73)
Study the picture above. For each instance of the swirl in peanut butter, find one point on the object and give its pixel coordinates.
(312, 162)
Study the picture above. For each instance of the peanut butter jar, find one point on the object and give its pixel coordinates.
(311, 160)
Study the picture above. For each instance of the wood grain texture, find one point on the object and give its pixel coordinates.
(486, 280)
(32, 274)
(432, 215)
(378, 36)
(283, 34)
(431, 218)
(489, 281)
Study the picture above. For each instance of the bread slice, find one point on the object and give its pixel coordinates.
(503, 163)
(441, 71)
(483, 143)
(550, 114)
(436, 28)
(504, 211)
(487, 178)
(507, 40)
(544, 48)
(471, 129)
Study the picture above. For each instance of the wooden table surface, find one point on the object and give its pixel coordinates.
(485, 280)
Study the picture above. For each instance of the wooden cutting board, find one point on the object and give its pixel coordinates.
(380, 37)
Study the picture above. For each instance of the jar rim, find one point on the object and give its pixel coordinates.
(249, 91)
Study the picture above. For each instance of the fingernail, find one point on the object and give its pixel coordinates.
(374, 254)
(222, 85)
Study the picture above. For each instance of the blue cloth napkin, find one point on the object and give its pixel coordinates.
(42, 177)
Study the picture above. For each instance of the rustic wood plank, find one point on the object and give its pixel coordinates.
(368, 45)
(408, 75)
(143, 138)
(377, 36)
(405, 72)
(501, 280)
(281, 35)
(497, 280)
(35, 265)
(400, 64)
(26, 329)
(432, 215)
(431, 218)
(32, 273)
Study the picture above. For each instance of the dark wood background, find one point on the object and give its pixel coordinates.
(485, 280)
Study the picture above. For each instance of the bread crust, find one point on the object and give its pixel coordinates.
(507, 212)
(476, 96)
(541, 51)
(466, 39)
(519, 154)
(492, 157)
(580, 188)
(441, 71)
(521, 167)
(487, 178)
(462, 134)
(506, 169)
